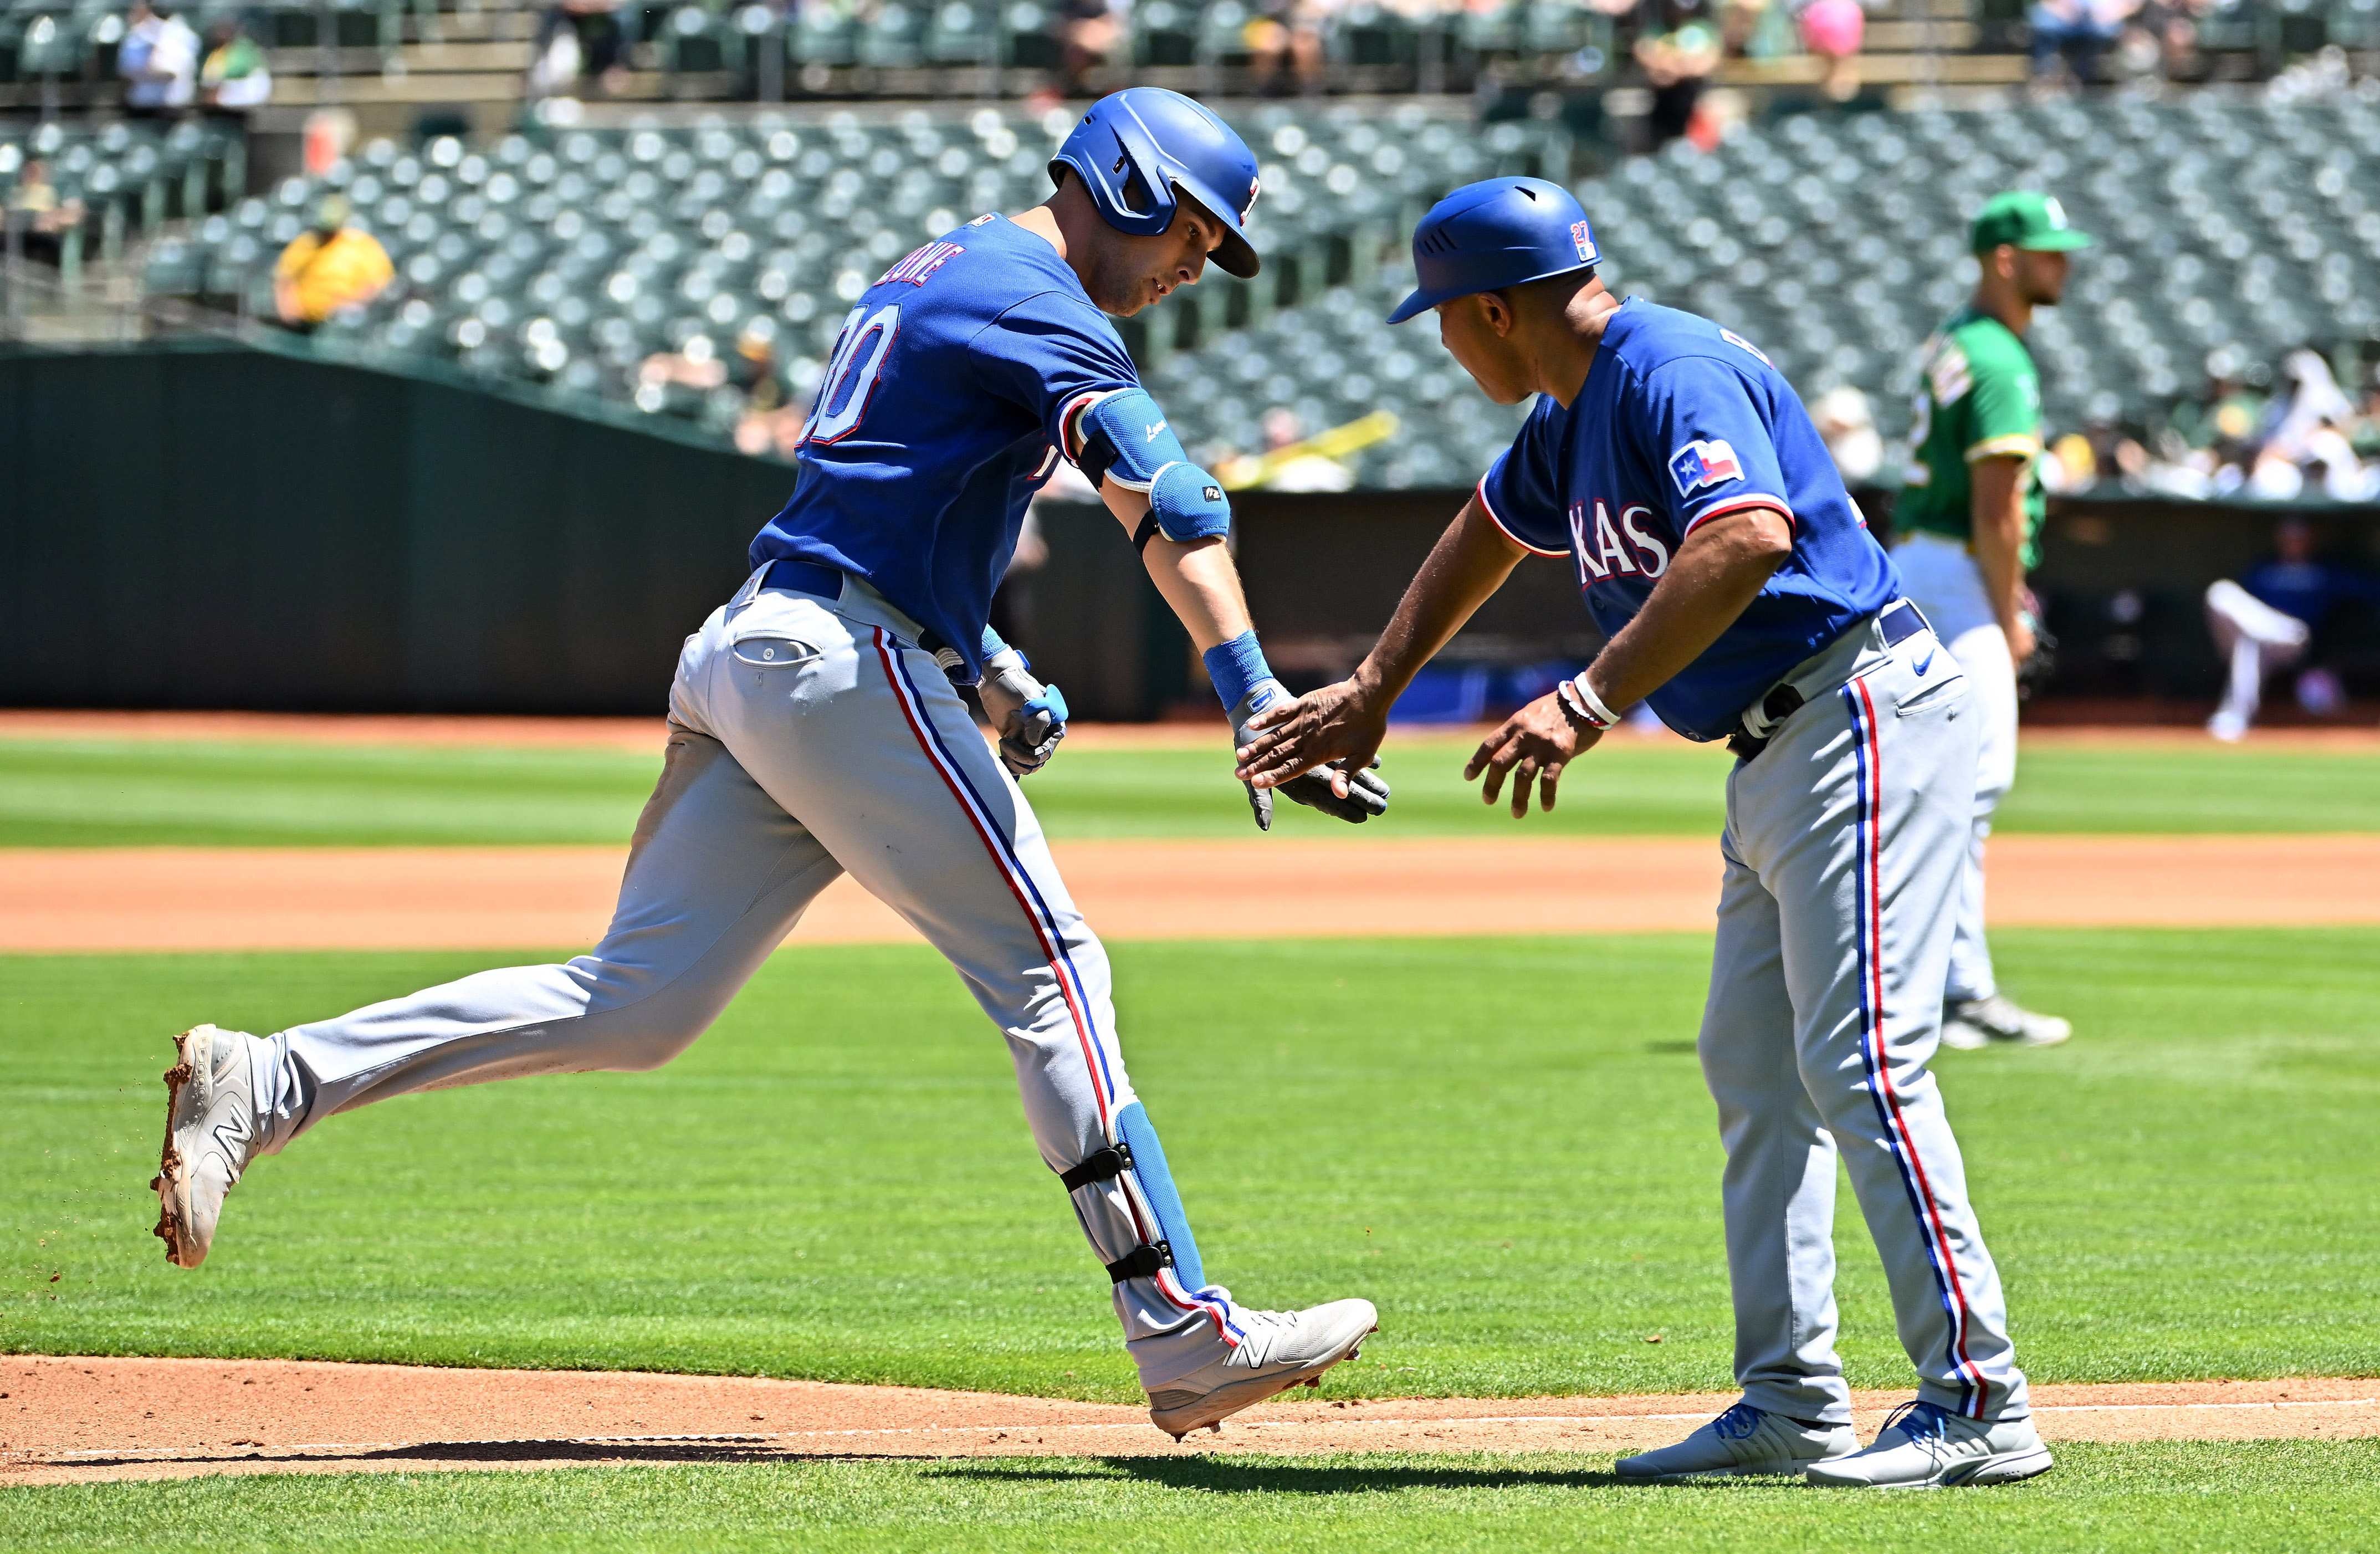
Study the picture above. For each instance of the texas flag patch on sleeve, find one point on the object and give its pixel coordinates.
(1704, 463)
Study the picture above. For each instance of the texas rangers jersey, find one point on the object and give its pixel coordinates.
(1678, 421)
(937, 421)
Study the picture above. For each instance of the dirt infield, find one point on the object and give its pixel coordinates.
(202, 899)
(71, 1419)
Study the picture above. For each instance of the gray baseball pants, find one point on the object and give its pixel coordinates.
(1943, 578)
(1845, 844)
(805, 738)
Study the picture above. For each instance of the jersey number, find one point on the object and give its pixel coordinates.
(851, 375)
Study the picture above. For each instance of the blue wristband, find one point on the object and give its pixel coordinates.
(1236, 666)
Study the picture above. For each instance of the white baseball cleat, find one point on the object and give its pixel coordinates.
(1743, 1441)
(210, 1138)
(1999, 1021)
(1926, 1447)
(1281, 1349)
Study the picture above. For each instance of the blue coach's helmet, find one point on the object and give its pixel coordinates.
(1502, 232)
(1135, 147)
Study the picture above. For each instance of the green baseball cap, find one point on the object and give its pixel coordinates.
(2027, 219)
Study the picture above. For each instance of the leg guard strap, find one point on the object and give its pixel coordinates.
(1140, 1263)
(1105, 1166)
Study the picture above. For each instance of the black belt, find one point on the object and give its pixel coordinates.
(1898, 622)
(826, 582)
(806, 577)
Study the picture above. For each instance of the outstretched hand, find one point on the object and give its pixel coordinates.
(1532, 745)
(1343, 789)
(1334, 726)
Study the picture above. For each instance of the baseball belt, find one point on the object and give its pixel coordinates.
(1898, 622)
(824, 582)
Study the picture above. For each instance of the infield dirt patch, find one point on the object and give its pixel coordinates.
(72, 1419)
(518, 898)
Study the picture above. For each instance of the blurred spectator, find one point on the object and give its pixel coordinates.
(2078, 31)
(1087, 32)
(1678, 58)
(771, 423)
(158, 61)
(2306, 426)
(579, 39)
(694, 365)
(39, 218)
(2170, 29)
(1832, 30)
(1288, 34)
(1847, 422)
(329, 267)
(2263, 622)
(1293, 466)
(2209, 441)
(2364, 431)
(1753, 29)
(235, 75)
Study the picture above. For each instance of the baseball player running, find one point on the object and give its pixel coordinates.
(813, 727)
(1969, 509)
(1715, 546)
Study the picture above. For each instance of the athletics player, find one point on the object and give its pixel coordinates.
(1672, 466)
(815, 727)
(1969, 508)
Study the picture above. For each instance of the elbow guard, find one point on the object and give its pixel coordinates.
(1124, 437)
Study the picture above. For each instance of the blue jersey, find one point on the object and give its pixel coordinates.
(1680, 420)
(937, 418)
(2307, 590)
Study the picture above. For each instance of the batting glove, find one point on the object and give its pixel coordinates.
(1029, 716)
(1367, 792)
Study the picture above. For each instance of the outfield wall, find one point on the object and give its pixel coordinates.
(203, 526)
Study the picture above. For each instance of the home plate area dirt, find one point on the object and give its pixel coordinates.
(64, 1420)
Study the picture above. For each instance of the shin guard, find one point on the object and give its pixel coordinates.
(1137, 1163)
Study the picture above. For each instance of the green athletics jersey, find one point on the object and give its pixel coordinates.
(1981, 398)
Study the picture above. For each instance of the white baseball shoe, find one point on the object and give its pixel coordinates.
(1743, 1441)
(1925, 1447)
(1999, 1021)
(210, 1136)
(1280, 1349)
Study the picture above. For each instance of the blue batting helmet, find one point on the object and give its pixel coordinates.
(1502, 232)
(1135, 147)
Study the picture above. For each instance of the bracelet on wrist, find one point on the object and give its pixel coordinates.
(1584, 704)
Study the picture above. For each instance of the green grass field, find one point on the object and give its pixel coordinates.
(1504, 1143)
(2262, 1497)
(60, 793)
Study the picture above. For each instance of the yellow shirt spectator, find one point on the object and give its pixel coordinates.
(321, 272)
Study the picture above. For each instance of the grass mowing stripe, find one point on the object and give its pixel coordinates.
(125, 793)
(2160, 1498)
(1505, 1143)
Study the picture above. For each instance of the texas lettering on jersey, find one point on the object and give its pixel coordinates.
(1604, 551)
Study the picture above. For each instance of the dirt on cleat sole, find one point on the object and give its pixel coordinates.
(169, 1160)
